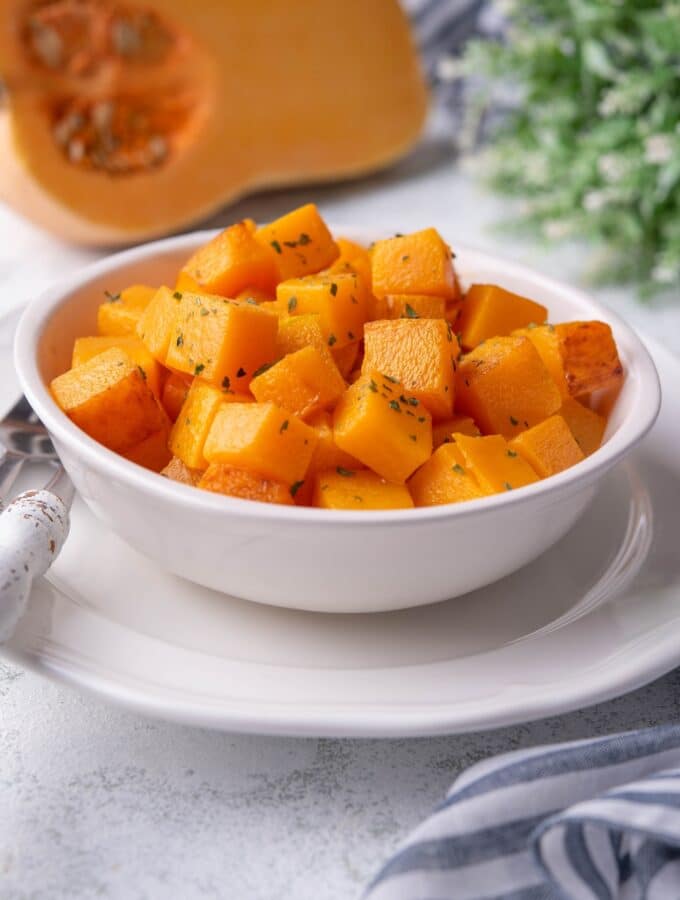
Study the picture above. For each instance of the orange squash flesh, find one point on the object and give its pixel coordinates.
(548, 447)
(257, 389)
(347, 489)
(490, 311)
(141, 118)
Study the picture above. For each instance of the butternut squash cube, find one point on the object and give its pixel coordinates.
(85, 348)
(151, 453)
(340, 300)
(327, 454)
(108, 398)
(547, 344)
(347, 489)
(418, 263)
(185, 282)
(442, 479)
(442, 432)
(157, 322)
(496, 465)
(505, 387)
(589, 356)
(174, 394)
(585, 424)
(353, 258)
(421, 354)
(297, 332)
(223, 341)
(263, 438)
(302, 382)
(388, 431)
(255, 295)
(409, 306)
(242, 483)
(301, 242)
(491, 311)
(548, 447)
(231, 261)
(121, 312)
(346, 358)
(190, 431)
(176, 470)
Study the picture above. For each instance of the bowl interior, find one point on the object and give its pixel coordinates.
(75, 313)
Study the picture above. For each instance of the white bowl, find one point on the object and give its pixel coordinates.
(307, 558)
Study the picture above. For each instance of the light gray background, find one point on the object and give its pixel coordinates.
(95, 802)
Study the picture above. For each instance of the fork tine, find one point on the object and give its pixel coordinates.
(22, 411)
(10, 466)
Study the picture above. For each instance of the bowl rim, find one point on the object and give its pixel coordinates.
(639, 419)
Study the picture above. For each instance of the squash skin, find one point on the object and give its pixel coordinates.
(236, 55)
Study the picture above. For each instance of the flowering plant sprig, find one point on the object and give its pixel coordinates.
(589, 135)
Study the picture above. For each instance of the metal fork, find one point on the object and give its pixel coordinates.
(35, 524)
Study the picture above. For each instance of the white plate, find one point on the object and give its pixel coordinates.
(597, 615)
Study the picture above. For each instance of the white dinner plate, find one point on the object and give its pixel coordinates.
(597, 615)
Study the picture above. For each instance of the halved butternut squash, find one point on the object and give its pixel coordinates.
(126, 120)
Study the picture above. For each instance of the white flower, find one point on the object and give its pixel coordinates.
(595, 200)
(658, 149)
(664, 274)
(611, 167)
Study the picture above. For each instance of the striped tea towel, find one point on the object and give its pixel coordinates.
(587, 820)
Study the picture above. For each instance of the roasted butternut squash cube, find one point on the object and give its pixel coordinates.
(491, 311)
(223, 341)
(156, 324)
(110, 400)
(548, 447)
(585, 424)
(121, 312)
(175, 390)
(495, 465)
(190, 431)
(176, 470)
(151, 453)
(384, 428)
(327, 454)
(231, 261)
(443, 479)
(589, 356)
(409, 306)
(442, 432)
(85, 348)
(547, 344)
(276, 307)
(353, 258)
(185, 282)
(255, 295)
(505, 387)
(418, 263)
(346, 489)
(297, 332)
(346, 358)
(234, 482)
(340, 300)
(263, 438)
(421, 354)
(453, 313)
(303, 382)
(301, 242)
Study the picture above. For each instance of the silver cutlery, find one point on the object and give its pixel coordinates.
(34, 525)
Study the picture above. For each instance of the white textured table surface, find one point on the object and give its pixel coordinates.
(99, 802)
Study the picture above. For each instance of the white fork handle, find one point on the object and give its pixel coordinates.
(33, 529)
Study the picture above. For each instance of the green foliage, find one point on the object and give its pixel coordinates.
(591, 139)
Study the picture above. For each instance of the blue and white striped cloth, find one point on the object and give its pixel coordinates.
(588, 820)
